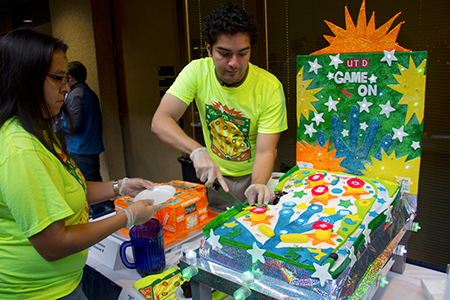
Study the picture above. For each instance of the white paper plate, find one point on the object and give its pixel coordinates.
(160, 193)
(179, 294)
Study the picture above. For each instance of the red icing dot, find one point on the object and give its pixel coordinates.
(322, 225)
(258, 210)
(316, 177)
(319, 190)
(355, 183)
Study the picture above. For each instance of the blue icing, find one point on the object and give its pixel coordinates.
(382, 189)
(342, 251)
(335, 181)
(336, 191)
(381, 200)
(349, 221)
(344, 229)
(373, 214)
(352, 239)
(297, 181)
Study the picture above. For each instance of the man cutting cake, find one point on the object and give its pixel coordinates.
(241, 106)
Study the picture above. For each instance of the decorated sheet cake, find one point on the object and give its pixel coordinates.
(322, 218)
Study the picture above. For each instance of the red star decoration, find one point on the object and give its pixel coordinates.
(356, 195)
(265, 221)
(316, 240)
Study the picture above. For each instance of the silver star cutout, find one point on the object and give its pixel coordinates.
(415, 145)
(322, 273)
(389, 57)
(399, 134)
(363, 126)
(344, 132)
(314, 66)
(335, 61)
(318, 118)
(373, 78)
(386, 109)
(331, 104)
(310, 129)
(367, 236)
(364, 105)
(352, 256)
(213, 240)
(257, 254)
(330, 76)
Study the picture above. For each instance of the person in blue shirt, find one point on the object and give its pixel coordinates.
(83, 131)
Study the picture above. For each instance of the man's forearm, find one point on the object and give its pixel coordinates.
(262, 168)
(171, 134)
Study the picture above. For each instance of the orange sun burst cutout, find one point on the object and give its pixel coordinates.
(363, 37)
(319, 156)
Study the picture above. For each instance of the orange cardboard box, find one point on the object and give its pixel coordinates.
(187, 210)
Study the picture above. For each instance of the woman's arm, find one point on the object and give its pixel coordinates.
(102, 191)
(58, 241)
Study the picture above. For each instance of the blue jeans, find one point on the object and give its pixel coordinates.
(77, 294)
(89, 166)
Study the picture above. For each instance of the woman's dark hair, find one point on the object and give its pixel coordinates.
(228, 18)
(25, 59)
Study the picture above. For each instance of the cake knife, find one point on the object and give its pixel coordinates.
(229, 197)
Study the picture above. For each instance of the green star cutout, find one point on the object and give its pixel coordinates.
(345, 203)
(293, 253)
(235, 233)
(300, 194)
(288, 186)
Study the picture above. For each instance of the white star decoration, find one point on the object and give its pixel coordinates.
(399, 134)
(344, 132)
(367, 236)
(389, 57)
(352, 256)
(318, 118)
(363, 126)
(373, 78)
(257, 254)
(322, 273)
(388, 212)
(310, 129)
(386, 109)
(314, 66)
(213, 240)
(364, 105)
(415, 145)
(335, 61)
(331, 104)
(330, 76)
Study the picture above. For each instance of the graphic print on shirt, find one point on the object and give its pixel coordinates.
(229, 131)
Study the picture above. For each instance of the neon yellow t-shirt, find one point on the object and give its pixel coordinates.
(233, 116)
(35, 191)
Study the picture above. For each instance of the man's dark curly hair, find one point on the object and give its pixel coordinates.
(228, 18)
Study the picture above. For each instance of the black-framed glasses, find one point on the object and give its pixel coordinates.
(62, 79)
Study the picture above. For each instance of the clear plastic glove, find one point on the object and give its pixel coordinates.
(259, 193)
(132, 187)
(206, 168)
(141, 211)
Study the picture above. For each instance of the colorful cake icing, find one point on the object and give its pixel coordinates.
(322, 217)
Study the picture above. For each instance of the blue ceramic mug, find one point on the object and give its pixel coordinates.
(147, 242)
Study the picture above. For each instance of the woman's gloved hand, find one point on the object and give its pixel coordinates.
(259, 193)
(206, 168)
(141, 211)
(132, 187)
